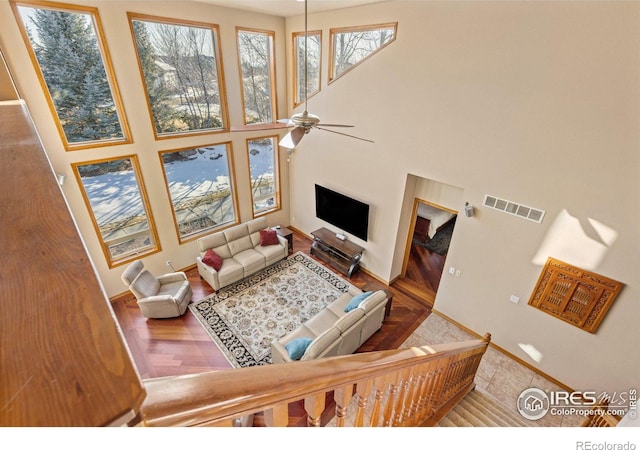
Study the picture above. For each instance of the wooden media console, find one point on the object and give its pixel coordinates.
(343, 256)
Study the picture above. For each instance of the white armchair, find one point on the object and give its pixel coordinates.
(158, 297)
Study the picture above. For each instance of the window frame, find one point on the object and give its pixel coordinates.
(216, 44)
(272, 74)
(232, 184)
(131, 256)
(276, 176)
(297, 100)
(332, 34)
(106, 61)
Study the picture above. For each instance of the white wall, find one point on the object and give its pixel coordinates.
(535, 102)
(118, 37)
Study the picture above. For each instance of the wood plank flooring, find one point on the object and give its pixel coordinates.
(422, 278)
(179, 346)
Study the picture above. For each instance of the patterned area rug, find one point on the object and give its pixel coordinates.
(245, 317)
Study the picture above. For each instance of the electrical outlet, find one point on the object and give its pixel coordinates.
(458, 273)
(514, 299)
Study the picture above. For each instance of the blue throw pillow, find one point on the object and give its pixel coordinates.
(297, 347)
(356, 300)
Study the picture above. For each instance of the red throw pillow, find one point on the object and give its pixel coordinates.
(212, 259)
(268, 237)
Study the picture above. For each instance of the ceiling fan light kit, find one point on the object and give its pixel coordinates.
(303, 122)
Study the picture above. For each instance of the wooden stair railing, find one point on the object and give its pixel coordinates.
(409, 387)
(600, 417)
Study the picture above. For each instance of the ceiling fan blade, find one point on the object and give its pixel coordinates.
(287, 121)
(292, 138)
(334, 125)
(344, 134)
(259, 126)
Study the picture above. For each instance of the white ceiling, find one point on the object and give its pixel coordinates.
(285, 8)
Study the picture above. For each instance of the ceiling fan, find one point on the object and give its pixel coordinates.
(302, 123)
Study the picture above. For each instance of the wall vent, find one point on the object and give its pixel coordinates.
(516, 209)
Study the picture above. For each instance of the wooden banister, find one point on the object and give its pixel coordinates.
(600, 417)
(408, 387)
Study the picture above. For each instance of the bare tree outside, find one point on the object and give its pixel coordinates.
(181, 72)
(256, 62)
(352, 47)
(313, 52)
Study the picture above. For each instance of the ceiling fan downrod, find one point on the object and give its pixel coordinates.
(306, 82)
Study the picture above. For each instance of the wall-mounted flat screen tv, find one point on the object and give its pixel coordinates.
(346, 213)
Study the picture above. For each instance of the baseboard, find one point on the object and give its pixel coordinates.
(121, 297)
(505, 352)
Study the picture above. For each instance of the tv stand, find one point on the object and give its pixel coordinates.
(343, 256)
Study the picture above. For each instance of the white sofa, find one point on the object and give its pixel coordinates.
(241, 252)
(333, 331)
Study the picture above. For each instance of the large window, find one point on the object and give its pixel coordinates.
(201, 188)
(182, 70)
(265, 180)
(114, 192)
(257, 72)
(313, 52)
(69, 52)
(350, 46)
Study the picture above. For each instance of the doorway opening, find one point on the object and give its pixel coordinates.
(428, 243)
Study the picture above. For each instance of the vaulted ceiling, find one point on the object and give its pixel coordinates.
(286, 8)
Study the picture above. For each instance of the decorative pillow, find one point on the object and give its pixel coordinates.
(212, 259)
(356, 300)
(297, 347)
(268, 237)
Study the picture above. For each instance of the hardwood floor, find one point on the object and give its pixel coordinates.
(180, 346)
(423, 274)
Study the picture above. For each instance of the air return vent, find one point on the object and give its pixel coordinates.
(516, 209)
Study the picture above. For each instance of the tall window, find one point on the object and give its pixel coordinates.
(115, 195)
(351, 46)
(314, 39)
(257, 70)
(200, 185)
(182, 70)
(67, 48)
(265, 179)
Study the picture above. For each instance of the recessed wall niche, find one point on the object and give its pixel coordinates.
(574, 295)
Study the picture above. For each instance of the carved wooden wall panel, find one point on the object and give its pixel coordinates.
(574, 295)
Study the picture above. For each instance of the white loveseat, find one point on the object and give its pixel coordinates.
(333, 331)
(241, 253)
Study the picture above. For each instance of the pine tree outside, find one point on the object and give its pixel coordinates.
(71, 61)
